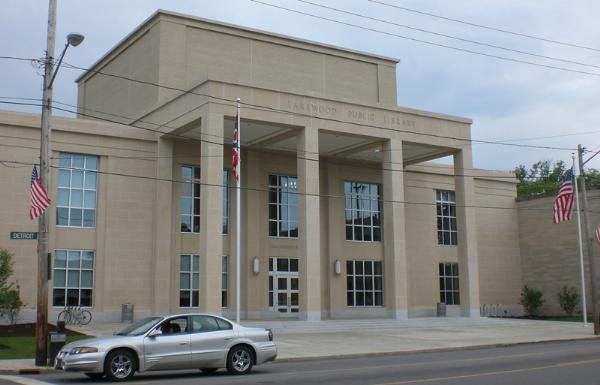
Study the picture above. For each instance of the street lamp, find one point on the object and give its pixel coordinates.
(50, 71)
(73, 39)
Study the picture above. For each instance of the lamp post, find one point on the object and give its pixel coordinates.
(50, 71)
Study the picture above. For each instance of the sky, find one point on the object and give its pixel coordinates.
(507, 100)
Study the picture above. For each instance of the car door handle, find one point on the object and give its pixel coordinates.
(183, 343)
(228, 338)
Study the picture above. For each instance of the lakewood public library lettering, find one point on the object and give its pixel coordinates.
(353, 115)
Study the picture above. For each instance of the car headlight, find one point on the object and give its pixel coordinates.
(83, 349)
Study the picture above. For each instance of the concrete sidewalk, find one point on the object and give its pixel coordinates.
(339, 338)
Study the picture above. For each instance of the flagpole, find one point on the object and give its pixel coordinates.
(238, 218)
(580, 246)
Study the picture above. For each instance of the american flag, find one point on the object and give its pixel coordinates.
(563, 204)
(598, 235)
(235, 150)
(39, 198)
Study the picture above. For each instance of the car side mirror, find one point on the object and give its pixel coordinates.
(155, 332)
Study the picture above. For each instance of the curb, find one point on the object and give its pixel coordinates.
(432, 350)
(46, 370)
(26, 371)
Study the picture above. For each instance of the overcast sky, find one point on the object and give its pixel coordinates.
(506, 100)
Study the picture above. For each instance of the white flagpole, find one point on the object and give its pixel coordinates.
(238, 217)
(581, 268)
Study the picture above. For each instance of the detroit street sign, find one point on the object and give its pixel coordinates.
(23, 235)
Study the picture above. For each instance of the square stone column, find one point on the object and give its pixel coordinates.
(309, 229)
(162, 288)
(211, 211)
(468, 260)
(395, 264)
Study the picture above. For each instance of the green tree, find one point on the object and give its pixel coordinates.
(541, 178)
(568, 298)
(545, 178)
(532, 300)
(10, 294)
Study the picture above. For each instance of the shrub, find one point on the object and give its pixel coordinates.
(10, 304)
(568, 298)
(10, 295)
(532, 300)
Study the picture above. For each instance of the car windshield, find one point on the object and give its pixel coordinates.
(139, 327)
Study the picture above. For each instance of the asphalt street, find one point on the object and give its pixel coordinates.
(560, 363)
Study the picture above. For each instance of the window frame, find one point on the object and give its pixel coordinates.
(85, 171)
(291, 208)
(65, 288)
(193, 272)
(352, 279)
(226, 203)
(445, 205)
(352, 201)
(195, 200)
(453, 280)
(224, 281)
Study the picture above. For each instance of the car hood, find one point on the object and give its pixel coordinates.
(101, 341)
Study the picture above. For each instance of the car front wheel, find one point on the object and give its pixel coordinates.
(239, 360)
(119, 365)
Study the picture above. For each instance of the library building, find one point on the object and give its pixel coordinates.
(344, 211)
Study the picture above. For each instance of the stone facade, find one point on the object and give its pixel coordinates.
(324, 115)
(549, 252)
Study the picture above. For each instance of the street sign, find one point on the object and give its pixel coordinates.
(20, 235)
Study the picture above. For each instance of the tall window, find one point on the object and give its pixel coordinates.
(446, 217)
(77, 183)
(225, 201)
(363, 218)
(189, 281)
(364, 283)
(224, 280)
(449, 291)
(283, 206)
(190, 199)
(73, 280)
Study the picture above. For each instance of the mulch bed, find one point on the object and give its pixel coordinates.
(27, 330)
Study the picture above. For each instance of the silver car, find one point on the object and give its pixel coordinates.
(181, 341)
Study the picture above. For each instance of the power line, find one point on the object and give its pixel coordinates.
(486, 26)
(551, 136)
(451, 36)
(17, 58)
(222, 137)
(329, 161)
(267, 108)
(255, 150)
(299, 157)
(267, 190)
(504, 58)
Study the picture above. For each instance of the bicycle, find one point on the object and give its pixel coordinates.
(75, 315)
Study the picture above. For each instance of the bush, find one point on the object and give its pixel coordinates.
(532, 300)
(10, 304)
(10, 295)
(568, 298)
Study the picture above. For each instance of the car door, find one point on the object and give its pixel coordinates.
(171, 348)
(210, 339)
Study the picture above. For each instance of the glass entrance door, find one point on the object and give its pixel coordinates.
(283, 286)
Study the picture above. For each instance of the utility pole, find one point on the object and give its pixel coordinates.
(590, 243)
(41, 325)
